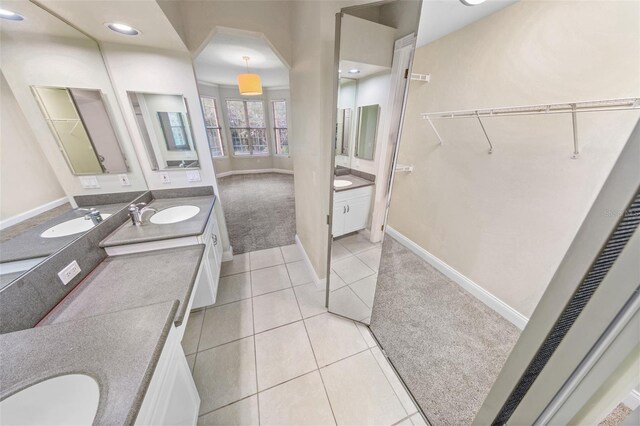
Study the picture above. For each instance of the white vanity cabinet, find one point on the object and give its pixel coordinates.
(351, 210)
(209, 275)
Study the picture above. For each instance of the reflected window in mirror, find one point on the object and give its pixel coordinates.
(164, 124)
(367, 131)
(81, 124)
(212, 126)
(248, 127)
(279, 109)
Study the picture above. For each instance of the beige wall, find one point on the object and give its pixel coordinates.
(22, 163)
(505, 220)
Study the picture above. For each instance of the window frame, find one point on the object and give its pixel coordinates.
(251, 153)
(219, 129)
(276, 128)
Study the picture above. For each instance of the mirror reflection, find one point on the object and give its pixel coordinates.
(163, 121)
(82, 127)
(67, 162)
(374, 54)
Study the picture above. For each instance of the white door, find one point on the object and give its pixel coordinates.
(339, 213)
(357, 214)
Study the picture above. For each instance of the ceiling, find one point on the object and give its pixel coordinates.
(221, 60)
(36, 21)
(441, 17)
(365, 69)
(90, 16)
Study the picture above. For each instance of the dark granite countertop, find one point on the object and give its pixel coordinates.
(357, 182)
(130, 234)
(121, 357)
(133, 280)
(30, 245)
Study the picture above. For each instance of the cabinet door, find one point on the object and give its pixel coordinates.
(339, 213)
(357, 214)
(213, 261)
(205, 294)
(216, 240)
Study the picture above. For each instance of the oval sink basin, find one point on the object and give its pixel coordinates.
(341, 183)
(65, 400)
(70, 227)
(174, 214)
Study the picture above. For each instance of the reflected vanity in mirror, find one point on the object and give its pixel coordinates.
(163, 121)
(68, 163)
(373, 57)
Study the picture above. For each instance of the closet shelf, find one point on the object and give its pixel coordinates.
(573, 108)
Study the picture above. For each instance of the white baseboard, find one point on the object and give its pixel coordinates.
(510, 314)
(13, 220)
(249, 172)
(227, 255)
(320, 283)
(632, 400)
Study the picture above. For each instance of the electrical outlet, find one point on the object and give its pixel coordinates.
(70, 271)
(193, 176)
(124, 180)
(164, 177)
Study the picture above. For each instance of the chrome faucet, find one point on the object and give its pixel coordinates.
(93, 215)
(137, 211)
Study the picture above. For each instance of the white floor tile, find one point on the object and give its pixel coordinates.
(241, 413)
(233, 288)
(351, 269)
(365, 289)
(371, 257)
(335, 282)
(418, 420)
(225, 374)
(338, 251)
(359, 392)
(191, 360)
(405, 422)
(366, 334)
(310, 299)
(401, 393)
(191, 335)
(282, 354)
(275, 309)
(299, 273)
(226, 323)
(291, 253)
(356, 243)
(265, 258)
(333, 338)
(345, 302)
(301, 401)
(269, 279)
(240, 263)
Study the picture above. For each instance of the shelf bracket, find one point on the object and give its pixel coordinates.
(485, 133)
(574, 120)
(434, 130)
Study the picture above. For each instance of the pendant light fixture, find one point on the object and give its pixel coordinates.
(249, 84)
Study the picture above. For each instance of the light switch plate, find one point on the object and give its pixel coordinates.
(69, 271)
(164, 177)
(89, 182)
(124, 180)
(193, 176)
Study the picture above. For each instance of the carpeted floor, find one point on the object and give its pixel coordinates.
(447, 346)
(259, 210)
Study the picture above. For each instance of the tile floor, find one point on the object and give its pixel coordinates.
(354, 272)
(268, 353)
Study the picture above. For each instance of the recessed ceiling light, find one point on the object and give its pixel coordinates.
(122, 28)
(471, 2)
(11, 16)
(339, 71)
(354, 71)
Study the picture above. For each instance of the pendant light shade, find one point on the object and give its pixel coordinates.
(249, 84)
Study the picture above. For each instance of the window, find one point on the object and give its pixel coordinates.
(248, 127)
(174, 131)
(212, 125)
(280, 127)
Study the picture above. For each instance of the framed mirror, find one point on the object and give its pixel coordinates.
(83, 129)
(367, 131)
(164, 124)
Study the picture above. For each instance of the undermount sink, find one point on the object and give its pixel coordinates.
(70, 227)
(65, 400)
(174, 214)
(341, 183)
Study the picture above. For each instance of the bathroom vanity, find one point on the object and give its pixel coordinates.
(351, 204)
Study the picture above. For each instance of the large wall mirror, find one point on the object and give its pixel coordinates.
(68, 163)
(367, 131)
(163, 121)
(83, 129)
